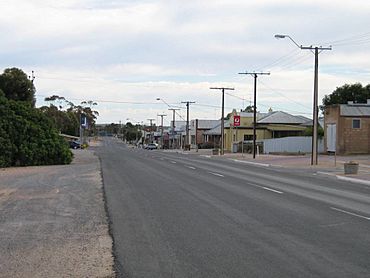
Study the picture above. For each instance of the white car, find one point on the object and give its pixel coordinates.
(152, 146)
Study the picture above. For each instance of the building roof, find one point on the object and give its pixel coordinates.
(280, 117)
(205, 124)
(217, 129)
(355, 110)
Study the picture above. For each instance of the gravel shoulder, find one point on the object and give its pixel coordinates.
(53, 222)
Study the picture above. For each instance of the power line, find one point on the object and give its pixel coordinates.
(275, 91)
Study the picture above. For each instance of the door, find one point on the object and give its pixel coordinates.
(331, 137)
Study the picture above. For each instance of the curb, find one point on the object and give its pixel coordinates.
(249, 162)
(354, 180)
(365, 182)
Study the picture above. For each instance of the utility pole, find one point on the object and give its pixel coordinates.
(315, 101)
(255, 75)
(151, 130)
(187, 122)
(315, 50)
(222, 115)
(162, 115)
(173, 125)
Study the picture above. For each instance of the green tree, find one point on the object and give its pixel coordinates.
(308, 131)
(348, 92)
(249, 109)
(17, 86)
(28, 137)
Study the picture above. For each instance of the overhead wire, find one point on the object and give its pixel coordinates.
(282, 95)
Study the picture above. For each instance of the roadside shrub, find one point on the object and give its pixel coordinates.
(27, 137)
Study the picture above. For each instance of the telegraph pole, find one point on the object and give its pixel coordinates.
(187, 121)
(173, 125)
(222, 115)
(315, 101)
(151, 130)
(162, 115)
(255, 75)
(315, 50)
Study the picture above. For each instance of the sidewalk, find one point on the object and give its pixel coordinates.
(53, 222)
(326, 164)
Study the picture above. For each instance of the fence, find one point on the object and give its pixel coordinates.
(290, 145)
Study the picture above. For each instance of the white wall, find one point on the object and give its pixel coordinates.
(291, 144)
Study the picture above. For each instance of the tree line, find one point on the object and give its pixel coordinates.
(29, 135)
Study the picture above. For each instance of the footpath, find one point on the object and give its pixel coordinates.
(53, 222)
(327, 164)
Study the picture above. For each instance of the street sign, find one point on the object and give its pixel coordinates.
(236, 120)
(83, 121)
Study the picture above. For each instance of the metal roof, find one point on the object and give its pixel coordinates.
(217, 129)
(280, 117)
(205, 124)
(355, 110)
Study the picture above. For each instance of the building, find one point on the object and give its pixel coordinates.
(347, 128)
(275, 124)
(197, 131)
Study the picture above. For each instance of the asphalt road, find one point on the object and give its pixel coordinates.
(176, 215)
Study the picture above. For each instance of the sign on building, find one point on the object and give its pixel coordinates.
(236, 120)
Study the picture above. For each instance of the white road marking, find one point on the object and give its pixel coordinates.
(216, 174)
(351, 213)
(173, 162)
(162, 159)
(267, 188)
(191, 167)
(207, 156)
(249, 162)
(272, 190)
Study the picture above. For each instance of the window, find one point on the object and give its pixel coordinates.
(356, 123)
(248, 137)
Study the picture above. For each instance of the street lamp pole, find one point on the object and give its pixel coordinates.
(222, 115)
(162, 115)
(151, 130)
(315, 115)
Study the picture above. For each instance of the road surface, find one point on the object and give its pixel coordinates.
(176, 215)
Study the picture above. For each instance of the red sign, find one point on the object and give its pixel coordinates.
(236, 120)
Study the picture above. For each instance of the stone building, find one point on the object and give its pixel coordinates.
(347, 128)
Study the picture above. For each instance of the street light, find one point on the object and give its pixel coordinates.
(315, 92)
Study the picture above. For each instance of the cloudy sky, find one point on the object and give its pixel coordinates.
(126, 54)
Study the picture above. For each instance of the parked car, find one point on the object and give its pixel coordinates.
(152, 146)
(75, 144)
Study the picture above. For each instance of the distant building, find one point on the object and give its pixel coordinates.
(275, 124)
(347, 128)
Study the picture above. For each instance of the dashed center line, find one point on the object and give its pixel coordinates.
(272, 190)
(267, 188)
(351, 213)
(216, 174)
(173, 162)
(191, 167)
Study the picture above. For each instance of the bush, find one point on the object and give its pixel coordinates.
(27, 137)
